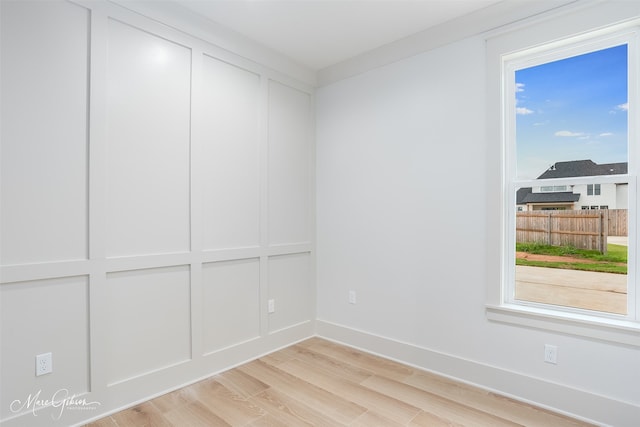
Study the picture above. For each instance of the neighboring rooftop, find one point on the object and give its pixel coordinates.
(558, 197)
(583, 168)
(521, 194)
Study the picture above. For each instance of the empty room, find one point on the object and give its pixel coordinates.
(319, 212)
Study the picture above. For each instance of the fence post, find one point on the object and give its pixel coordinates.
(604, 226)
(549, 228)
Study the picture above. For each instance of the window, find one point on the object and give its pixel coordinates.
(564, 122)
(552, 188)
(569, 103)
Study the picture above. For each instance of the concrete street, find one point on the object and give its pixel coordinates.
(581, 289)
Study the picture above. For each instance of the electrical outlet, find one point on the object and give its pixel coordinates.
(551, 354)
(271, 306)
(352, 297)
(44, 364)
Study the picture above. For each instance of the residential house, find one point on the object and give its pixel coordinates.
(576, 197)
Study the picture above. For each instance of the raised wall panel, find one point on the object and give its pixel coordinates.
(289, 165)
(40, 317)
(149, 321)
(230, 303)
(290, 287)
(148, 146)
(230, 161)
(44, 175)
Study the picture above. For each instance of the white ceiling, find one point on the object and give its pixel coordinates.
(321, 33)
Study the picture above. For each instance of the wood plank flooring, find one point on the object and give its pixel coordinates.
(320, 383)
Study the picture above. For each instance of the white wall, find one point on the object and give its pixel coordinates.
(156, 191)
(399, 150)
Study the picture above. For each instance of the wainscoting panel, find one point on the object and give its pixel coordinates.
(44, 169)
(32, 322)
(230, 125)
(289, 165)
(148, 143)
(230, 303)
(149, 325)
(289, 287)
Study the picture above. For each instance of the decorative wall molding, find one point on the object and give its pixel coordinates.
(183, 142)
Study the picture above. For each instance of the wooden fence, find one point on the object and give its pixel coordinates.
(618, 225)
(583, 229)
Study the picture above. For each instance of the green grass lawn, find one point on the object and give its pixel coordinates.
(615, 261)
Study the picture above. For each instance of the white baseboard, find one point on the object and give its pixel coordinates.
(566, 400)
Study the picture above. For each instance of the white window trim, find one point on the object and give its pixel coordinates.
(560, 32)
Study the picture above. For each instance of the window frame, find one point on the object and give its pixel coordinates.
(616, 328)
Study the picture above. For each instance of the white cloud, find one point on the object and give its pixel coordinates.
(523, 111)
(519, 87)
(606, 134)
(621, 107)
(568, 133)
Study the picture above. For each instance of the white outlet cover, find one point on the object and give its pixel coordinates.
(551, 354)
(44, 364)
(352, 297)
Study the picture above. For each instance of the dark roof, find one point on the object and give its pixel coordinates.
(521, 194)
(583, 168)
(558, 197)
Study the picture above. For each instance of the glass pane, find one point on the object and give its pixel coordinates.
(571, 116)
(571, 241)
(573, 256)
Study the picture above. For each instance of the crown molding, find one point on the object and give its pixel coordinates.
(481, 21)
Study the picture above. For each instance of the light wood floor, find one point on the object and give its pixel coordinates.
(320, 383)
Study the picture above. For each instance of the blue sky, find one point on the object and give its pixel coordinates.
(572, 109)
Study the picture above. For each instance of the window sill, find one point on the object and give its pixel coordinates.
(611, 330)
